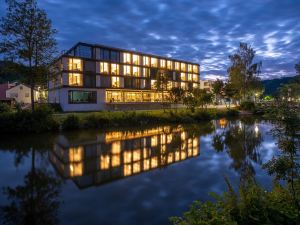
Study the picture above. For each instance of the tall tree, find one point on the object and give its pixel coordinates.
(243, 73)
(176, 95)
(217, 87)
(161, 84)
(28, 38)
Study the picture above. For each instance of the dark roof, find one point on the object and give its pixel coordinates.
(126, 50)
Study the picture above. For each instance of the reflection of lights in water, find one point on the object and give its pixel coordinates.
(240, 125)
(71, 168)
(256, 129)
(223, 123)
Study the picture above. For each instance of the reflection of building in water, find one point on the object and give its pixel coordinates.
(114, 155)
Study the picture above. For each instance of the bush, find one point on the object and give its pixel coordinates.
(4, 108)
(70, 123)
(247, 105)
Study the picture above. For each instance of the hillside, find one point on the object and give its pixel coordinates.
(271, 86)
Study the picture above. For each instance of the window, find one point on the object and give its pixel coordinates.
(114, 96)
(126, 58)
(183, 85)
(75, 64)
(153, 84)
(26, 95)
(136, 71)
(162, 63)
(146, 61)
(83, 51)
(169, 65)
(154, 62)
(82, 97)
(136, 59)
(75, 79)
(104, 67)
(195, 69)
(183, 67)
(115, 69)
(190, 77)
(177, 66)
(115, 82)
(126, 70)
(146, 72)
(183, 76)
(115, 56)
(195, 85)
(195, 77)
(104, 54)
(190, 68)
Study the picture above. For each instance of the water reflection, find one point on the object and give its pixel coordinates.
(118, 154)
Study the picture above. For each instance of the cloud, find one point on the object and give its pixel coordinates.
(205, 32)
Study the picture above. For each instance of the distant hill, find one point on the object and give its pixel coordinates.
(271, 86)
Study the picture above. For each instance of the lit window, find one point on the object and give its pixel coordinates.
(104, 162)
(190, 77)
(126, 70)
(126, 58)
(153, 141)
(75, 154)
(154, 62)
(136, 155)
(154, 162)
(115, 82)
(195, 69)
(183, 67)
(169, 65)
(169, 85)
(146, 72)
(136, 71)
(136, 59)
(153, 84)
(145, 60)
(136, 167)
(76, 169)
(177, 66)
(75, 79)
(75, 64)
(146, 164)
(104, 67)
(115, 69)
(195, 77)
(127, 157)
(190, 68)
(162, 63)
(183, 76)
(183, 85)
(195, 85)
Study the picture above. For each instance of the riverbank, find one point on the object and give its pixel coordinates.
(43, 120)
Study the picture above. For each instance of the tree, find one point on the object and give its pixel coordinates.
(243, 73)
(217, 87)
(161, 83)
(28, 38)
(297, 67)
(176, 95)
(230, 92)
(197, 97)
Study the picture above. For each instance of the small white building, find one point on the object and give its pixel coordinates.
(206, 85)
(21, 93)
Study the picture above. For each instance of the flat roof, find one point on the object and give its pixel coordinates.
(126, 50)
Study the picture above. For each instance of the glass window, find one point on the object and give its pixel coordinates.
(83, 51)
(195, 77)
(153, 84)
(183, 67)
(115, 56)
(190, 68)
(115, 69)
(146, 61)
(177, 65)
(75, 79)
(195, 69)
(115, 82)
(190, 77)
(183, 85)
(104, 54)
(169, 65)
(146, 72)
(136, 71)
(154, 62)
(126, 70)
(75, 64)
(162, 63)
(114, 96)
(195, 85)
(126, 57)
(136, 59)
(82, 97)
(183, 76)
(104, 67)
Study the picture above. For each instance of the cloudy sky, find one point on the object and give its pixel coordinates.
(203, 31)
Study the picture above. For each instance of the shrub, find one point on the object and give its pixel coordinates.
(247, 105)
(4, 108)
(70, 123)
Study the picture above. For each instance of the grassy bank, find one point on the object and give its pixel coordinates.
(43, 120)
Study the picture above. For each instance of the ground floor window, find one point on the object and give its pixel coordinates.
(134, 96)
(82, 97)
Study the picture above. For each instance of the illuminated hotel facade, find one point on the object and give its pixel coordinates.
(96, 77)
(115, 155)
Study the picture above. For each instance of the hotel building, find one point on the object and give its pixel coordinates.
(96, 77)
(110, 156)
